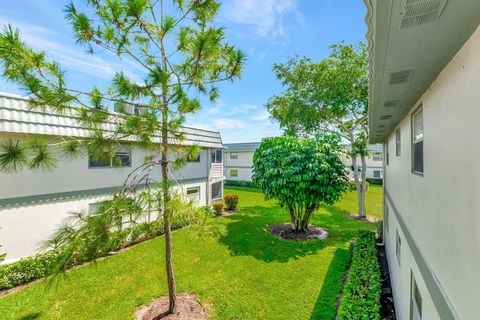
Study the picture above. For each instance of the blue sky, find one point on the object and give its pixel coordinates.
(268, 31)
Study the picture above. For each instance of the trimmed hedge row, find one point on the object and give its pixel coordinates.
(375, 181)
(361, 293)
(42, 265)
(239, 183)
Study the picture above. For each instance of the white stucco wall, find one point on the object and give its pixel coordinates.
(243, 164)
(442, 208)
(25, 227)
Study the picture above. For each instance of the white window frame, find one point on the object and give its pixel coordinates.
(234, 155)
(193, 196)
(196, 160)
(415, 300)
(379, 174)
(221, 190)
(417, 138)
(232, 175)
(111, 162)
(377, 156)
(215, 155)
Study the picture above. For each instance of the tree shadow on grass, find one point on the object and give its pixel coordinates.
(31, 316)
(248, 234)
(326, 304)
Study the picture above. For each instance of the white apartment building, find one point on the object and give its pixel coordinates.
(239, 160)
(34, 202)
(424, 60)
(374, 162)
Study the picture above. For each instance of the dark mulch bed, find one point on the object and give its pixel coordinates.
(285, 231)
(367, 218)
(188, 308)
(387, 310)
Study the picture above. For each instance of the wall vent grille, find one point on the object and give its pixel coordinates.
(400, 76)
(418, 12)
(391, 103)
(386, 117)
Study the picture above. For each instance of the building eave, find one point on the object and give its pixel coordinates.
(405, 57)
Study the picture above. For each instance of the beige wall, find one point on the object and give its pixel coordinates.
(243, 164)
(441, 209)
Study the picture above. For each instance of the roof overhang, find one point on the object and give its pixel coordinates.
(409, 44)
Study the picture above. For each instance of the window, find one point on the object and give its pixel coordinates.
(193, 193)
(417, 141)
(377, 157)
(233, 155)
(217, 156)
(385, 217)
(216, 190)
(93, 208)
(197, 159)
(398, 143)
(234, 173)
(386, 153)
(415, 301)
(377, 174)
(120, 159)
(398, 248)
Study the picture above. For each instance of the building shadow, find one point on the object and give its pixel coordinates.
(327, 301)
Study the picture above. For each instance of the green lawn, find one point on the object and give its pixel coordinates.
(246, 274)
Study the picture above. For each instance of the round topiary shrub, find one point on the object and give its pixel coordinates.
(231, 201)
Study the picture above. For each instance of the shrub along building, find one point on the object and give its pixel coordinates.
(424, 93)
(33, 203)
(239, 160)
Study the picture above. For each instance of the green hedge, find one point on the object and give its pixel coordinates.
(353, 187)
(375, 181)
(42, 265)
(240, 183)
(361, 293)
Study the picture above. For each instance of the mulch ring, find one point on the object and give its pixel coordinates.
(285, 231)
(229, 212)
(188, 308)
(371, 219)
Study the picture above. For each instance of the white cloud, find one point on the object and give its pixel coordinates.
(229, 123)
(243, 108)
(267, 17)
(262, 116)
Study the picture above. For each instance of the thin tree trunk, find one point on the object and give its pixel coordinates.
(172, 290)
(362, 208)
(360, 183)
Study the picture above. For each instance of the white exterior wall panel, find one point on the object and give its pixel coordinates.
(441, 209)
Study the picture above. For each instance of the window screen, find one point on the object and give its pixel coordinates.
(217, 190)
(417, 141)
(217, 156)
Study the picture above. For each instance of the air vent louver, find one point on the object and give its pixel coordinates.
(391, 103)
(386, 117)
(418, 12)
(400, 76)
